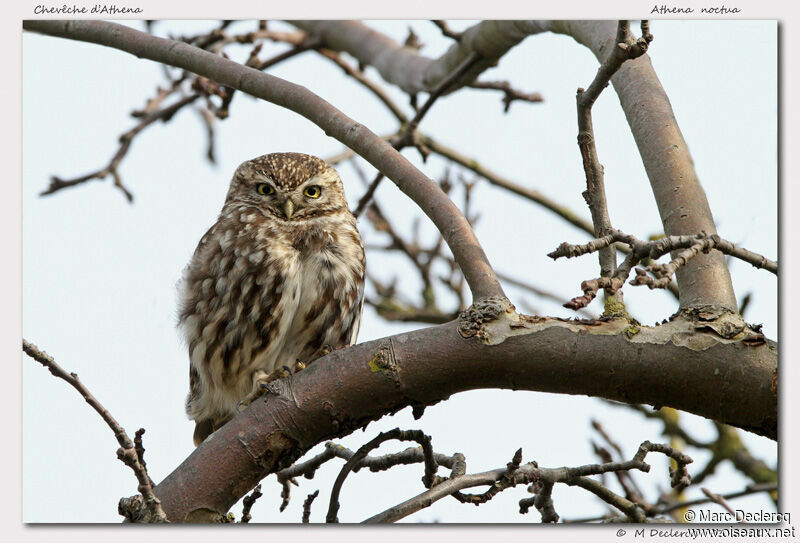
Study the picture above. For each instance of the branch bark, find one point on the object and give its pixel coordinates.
(412, 72)
(442, 211)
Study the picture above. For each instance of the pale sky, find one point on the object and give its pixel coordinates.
(99, 274)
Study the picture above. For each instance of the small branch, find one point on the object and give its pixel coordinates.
(679, 476)
(506, 481)
(163, 115)
(139, 446)
(747, 491)
(444, 85)
(129, 453)
(632, 491)
(719, 500)
(406, 137)
(359, 76)
(441, 490)
(367, 197)
(361, 453)
(690, 246)
(595, 188)
(248, 503)
(447, 31)
(629, 508)
(307, 506)
(510, 94)
(411, 455)
(542, 479)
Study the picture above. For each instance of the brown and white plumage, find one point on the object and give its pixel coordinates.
(278, 279)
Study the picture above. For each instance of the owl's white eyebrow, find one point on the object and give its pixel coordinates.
(262, 177)
(317, 178)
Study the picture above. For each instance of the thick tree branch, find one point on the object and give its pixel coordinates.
(659, 365)
(412, 72)
(443, 212)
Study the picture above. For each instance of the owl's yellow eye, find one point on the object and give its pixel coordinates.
(265, 189)
(313, 191)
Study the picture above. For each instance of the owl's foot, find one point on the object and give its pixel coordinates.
(261, 381)
(326, 350)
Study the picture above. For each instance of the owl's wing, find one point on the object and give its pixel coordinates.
(206, 237)
(357, 319)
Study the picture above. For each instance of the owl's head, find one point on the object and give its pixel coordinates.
(288, 186)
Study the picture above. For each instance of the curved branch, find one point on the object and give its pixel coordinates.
(442, 211)
(412, 72)
(673, 364)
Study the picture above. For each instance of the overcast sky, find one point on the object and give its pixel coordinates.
(99, 274)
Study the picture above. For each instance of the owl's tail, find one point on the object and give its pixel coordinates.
(205, 427)
(202, 429)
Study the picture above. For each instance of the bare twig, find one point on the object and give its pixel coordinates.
(510, 94)
(359, 76)
(139, 446)
(128, 452)
(542, 479)
(248, 502)
(719, 500)
(632, 491)
(307, 506)
(361, 453)
(653, 250)
(447, 31)
(406, 136)
(595, 188)
(164, 115)
(746, 491)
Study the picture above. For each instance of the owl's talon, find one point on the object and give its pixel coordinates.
(326, 349)
(261, 384)
(299, 365)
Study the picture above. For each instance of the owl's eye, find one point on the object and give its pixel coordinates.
(313, 191)
(265, 189)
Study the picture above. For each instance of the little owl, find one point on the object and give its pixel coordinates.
(276, 282)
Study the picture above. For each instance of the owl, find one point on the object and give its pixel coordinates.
(276, 282)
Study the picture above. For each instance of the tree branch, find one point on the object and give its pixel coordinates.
(657, 366)
(423, 191)
(595, 194)
(130, 452)
(412, 72)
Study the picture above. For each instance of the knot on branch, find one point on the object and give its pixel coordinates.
(724, 322)
(472, 321)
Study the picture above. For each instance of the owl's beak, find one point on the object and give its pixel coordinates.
(288, 208)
